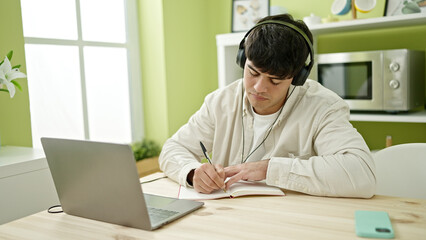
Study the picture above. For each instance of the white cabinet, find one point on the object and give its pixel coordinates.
(229, 71)
(26, 186)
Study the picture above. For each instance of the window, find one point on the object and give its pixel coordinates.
(82, 67)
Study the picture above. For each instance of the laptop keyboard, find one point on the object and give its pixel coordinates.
(158, 214)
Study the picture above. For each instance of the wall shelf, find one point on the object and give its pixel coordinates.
(369, 23)
(228, 71)
(411, 117)
(231, 39)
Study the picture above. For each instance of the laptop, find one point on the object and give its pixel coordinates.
(99, 181)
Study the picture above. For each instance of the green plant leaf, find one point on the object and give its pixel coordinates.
(16, 85)
(10, 55)
(17, 66)
(145, 149)
(3, 90)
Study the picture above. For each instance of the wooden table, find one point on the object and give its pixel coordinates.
(295, 216)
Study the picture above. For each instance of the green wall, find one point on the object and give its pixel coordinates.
(179, 64)
(15, 125)
(375, 132)
(153, 69)
(189, 59)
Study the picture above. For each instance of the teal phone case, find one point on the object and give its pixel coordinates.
(373, 224)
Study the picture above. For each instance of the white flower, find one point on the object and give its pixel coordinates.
(7, 74)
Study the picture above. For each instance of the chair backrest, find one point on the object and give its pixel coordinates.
(401, 170)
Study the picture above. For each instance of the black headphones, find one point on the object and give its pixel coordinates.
(301, 77)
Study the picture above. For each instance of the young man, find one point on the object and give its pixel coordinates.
(273, 125)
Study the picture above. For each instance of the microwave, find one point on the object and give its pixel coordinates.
(387, 80)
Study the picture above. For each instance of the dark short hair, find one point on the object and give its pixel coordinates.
(277, 49)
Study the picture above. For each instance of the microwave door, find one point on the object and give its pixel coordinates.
(354, 77)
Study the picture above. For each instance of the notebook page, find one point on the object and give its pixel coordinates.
(240, 188)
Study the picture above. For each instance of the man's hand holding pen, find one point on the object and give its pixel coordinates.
(208, 178)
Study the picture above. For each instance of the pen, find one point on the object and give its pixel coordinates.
(207, 156)
(205, 152)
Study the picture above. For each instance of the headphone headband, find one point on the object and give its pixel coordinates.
(301, 77)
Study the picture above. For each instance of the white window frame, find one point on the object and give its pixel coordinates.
(133, 59)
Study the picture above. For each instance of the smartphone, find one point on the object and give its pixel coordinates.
(373, 224)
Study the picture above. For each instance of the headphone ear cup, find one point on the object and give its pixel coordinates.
(301, 77)
(241, 57)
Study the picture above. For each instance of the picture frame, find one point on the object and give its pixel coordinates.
(403, 7)
(246, 13)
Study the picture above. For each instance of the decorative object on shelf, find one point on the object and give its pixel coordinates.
(402, 7)
(329, 19)
(145, 149)
(388, 141)
(364, 6)
(8, 74)
(146, 155)
(342, 7)
(246, 13)
(312, 20)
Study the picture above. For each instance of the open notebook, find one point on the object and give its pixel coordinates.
(241, 188)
